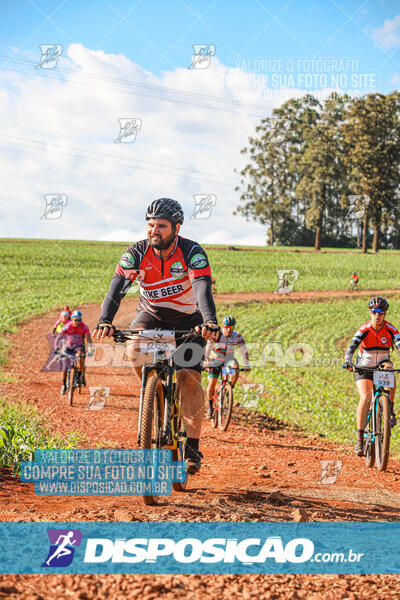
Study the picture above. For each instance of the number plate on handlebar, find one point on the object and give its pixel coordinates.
(156, 339)
(228, 371)
(384, 378)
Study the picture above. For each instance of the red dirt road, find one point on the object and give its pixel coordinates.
(296, 296)
(259, 470)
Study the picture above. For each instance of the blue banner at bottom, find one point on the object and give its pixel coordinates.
(233, 548)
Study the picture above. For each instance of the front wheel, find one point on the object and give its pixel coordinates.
(70, 384)
(178, 454)
(152, 420)
(214, 418)
(225, 408)
(369, 444)
(382, 434)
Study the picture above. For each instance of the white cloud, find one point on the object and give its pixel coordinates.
(182, 149)
(388, 36)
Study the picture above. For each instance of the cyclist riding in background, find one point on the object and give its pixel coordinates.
(174, 277)
(354, 279)
(375, 338)
(67, 309)
(63, 320)
(74, 334)
(221, 353)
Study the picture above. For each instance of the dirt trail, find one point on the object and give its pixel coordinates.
(259, 470)
(296, 296)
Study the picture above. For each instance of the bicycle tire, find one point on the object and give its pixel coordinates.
(151, 422)
(369, 447)
(178, 453)
(226, 405)
(214, 420)
(382, 438)
(70, 384)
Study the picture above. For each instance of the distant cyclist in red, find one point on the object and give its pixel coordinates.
(67, 309)
(174, 277)
(375, 338)
(354, 279)
(74, 334)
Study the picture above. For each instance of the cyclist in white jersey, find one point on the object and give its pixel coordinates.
(221, 353)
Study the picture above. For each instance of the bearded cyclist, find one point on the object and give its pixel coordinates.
(174, 277)
(375, 338)
(221, 353)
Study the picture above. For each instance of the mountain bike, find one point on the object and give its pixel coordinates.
(74, 379)
(223, 399)
(378, 430)
(160, 423)
(353, 286)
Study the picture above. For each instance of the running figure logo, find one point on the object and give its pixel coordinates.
(98, 397)
(330, 470)
(62, 550)
(286, 280)
(203, 205)
(202, 55)
(50, 54)
(128, 130)
(54, 206)
(358, 204)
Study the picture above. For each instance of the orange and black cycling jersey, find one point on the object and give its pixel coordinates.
(374, 345)
(170, 288)
(355, 278)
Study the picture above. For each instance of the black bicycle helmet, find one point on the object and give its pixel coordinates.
(378, 302)
(229, 321)
(165, 208)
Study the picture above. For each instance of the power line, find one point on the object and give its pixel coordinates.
(121, 161)
(52, 74)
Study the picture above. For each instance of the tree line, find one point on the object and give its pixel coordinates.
(326, 173)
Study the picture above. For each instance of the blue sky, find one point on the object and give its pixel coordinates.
(158, 34)
(130, 59)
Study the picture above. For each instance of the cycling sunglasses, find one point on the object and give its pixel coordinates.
(377, 311)
(77, 319)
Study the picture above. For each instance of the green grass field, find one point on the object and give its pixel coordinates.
(38, 275)
(41, 275)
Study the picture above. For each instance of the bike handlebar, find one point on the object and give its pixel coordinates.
(370, 369)
(220, 366)
(121, 335)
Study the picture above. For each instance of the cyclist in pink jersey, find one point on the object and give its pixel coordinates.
(74, 333)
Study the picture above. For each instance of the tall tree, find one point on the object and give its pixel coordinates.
(372, 137)
(270, 178)
(320, 165)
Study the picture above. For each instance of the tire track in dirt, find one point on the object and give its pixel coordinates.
(259, 470)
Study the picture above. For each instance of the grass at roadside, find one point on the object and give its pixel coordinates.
(317, 394)
(22, 430)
